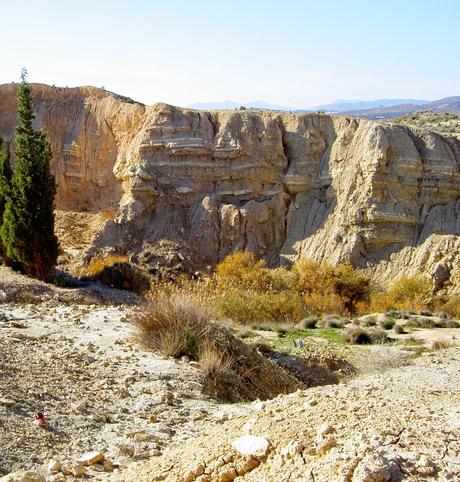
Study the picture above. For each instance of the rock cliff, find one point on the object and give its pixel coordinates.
(383, 197)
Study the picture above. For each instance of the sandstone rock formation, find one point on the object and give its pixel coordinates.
(382, 197)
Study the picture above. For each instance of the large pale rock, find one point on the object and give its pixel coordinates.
(383, 197)
(252, 446)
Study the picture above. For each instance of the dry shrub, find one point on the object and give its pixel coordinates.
(212, 360)
(97, 265)
(174, 325)
(329, 289)
(246, 307)
(357, 336)
(411, 293)
(178, 325)
(442, 344)
(452, 306)
(325, 303)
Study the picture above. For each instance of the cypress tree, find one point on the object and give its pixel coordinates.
(5, 181)
(27, 232)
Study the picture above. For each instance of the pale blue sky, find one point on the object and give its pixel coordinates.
(291, 52)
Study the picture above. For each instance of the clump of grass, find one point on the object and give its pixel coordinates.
(378, 337)
(442, 344)
(179, 325)
(174, 326)
(334, 323)
(447, 324)
(309, 323)
(357, 336)
(399, 329)
(387, 323)
(421, 323)
(369, 322)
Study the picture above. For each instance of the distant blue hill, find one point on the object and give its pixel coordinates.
(230, 104)
(347, 105)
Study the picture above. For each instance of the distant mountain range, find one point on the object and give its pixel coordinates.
(368, 109)
(347, 105)
(230, 104)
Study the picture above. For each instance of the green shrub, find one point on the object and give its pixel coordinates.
(387, 323)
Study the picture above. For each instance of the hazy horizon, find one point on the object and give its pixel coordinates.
(297, 55)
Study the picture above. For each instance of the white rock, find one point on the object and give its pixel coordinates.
(375, 468)
(3, 296)
(91, 458)
(252, 446)
(54, 466)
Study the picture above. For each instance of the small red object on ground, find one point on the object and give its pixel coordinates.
(40, 419)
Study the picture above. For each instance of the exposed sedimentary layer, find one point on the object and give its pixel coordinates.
(281, 185)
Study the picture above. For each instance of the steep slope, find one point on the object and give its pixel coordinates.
(281, 185)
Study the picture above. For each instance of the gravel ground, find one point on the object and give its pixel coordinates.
(403, 424)
(96, 386)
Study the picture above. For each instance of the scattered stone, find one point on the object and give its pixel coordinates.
(375, 468)
(22, 476)
(7, 402)
(17, 324)
(79, 471)
(54, 466)
(252, 446)
(91, 458)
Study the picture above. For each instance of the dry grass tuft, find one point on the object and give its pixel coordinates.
(180, 325)
(174, 325)
(442, 344)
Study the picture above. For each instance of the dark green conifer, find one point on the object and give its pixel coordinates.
(5, 181)
(27, 232)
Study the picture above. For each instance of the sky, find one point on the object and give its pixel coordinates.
(294, 53)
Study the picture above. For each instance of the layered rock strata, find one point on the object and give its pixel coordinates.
(382, 197)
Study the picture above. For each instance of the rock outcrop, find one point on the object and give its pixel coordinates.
(382, 197)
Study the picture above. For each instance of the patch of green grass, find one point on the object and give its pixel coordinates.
(410, 342)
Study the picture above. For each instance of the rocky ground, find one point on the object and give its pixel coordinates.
(97, 388)
(403, 424)
(117, 411)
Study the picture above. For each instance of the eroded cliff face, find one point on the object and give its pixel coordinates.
(382, 197)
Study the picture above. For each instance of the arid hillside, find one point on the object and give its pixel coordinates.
(382, 197)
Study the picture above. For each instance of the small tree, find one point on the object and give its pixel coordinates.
(5, 182)
(27, 232)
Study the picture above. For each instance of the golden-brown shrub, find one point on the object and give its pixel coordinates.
(452, 306)
(242, 270)
(324, 303)
(329, 289)
(245, 306)
(411, 293)
(97, 265)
